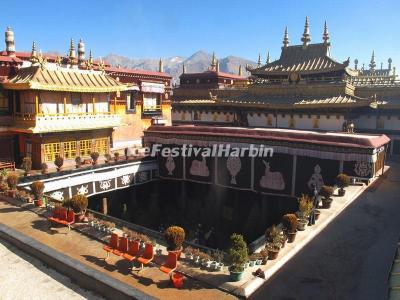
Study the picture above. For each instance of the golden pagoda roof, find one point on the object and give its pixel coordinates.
(63, 80)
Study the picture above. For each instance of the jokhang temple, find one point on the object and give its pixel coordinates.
(304, 89)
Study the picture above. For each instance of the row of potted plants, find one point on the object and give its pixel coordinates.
(211, 261)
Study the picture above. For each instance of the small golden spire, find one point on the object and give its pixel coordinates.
(259, 60)
(72, 55)
(286, 38)
(268, 59)
(213, 62)
(325, 36)
(34, 57)
(89, 62)
(306, 34)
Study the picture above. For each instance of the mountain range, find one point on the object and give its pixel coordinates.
(198, 62)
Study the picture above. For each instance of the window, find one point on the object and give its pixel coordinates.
(101, 146)
(131, 102)
(149, 102)
(69, 150)
(51, 151)
(86, 147)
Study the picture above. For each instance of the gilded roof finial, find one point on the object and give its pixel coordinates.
(58, 60)
(372, 64)
(389, 63)
(259, 60)
(81, 52)
(268, 59)
(325, 36)
(160, 66)
(213, 62)
(34, 57)
(306, 34)
(89, 62)
(72, 55)
(240, 71)
(286, 38)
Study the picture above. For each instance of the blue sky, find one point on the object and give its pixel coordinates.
(242, 28)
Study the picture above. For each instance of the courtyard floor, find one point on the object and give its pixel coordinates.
(24, 277)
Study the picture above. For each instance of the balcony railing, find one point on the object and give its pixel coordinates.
(72, 121)
(152, 111)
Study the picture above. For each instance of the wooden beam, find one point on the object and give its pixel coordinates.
(94, 105)
(65, 105)
(37, 104)
(115, 105)
(14, 102)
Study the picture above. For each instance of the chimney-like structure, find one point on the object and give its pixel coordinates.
(268, 59)
(306, 39)
(390, 63)
(240, 70)
(217, 66)
(160, 66)
(10, 42)
(356, 64)
(81, 52)
(183, 68)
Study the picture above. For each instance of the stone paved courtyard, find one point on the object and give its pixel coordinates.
(24, 277)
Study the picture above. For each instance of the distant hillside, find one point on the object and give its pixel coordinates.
(198, 62)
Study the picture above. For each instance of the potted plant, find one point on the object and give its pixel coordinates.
(12, 181)
(95, 157)
(283, 238)
(342, 181)
(78, 162)
(326, 193)
(37, 188)
(26, 165)
(3, 175)
(205, 260)
(253, 259)
(189, 253)
(305, 208)
(264, 256)
(107, 157)
(217, 264)
(175, 236)
(289, 221)
(196, 256)
(78, 203)
(317, 214)
(44, 167)
(59, 161)
(274, 242)
(116, 156)
(238, 257)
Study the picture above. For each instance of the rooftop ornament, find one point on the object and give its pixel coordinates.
(325, 36)
(34, 56)
(306, 39)
(286, 38)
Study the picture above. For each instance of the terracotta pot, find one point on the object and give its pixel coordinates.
(291, 236)
(38, 202)
(272, 254)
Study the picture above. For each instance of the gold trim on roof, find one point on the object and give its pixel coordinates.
(63, 80)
